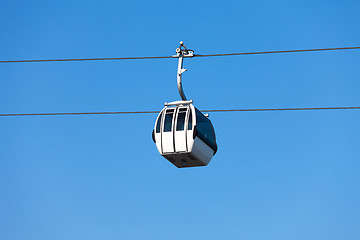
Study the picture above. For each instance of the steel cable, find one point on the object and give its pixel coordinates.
(144, 112)
(161, 57)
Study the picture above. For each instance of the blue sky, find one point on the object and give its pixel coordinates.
(277, 175)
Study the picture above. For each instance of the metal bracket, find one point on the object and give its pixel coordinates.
(178, 103)
(181, 53)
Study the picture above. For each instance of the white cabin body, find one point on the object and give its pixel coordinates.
(184, 136)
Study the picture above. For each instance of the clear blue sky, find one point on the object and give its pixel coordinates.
(277, 175)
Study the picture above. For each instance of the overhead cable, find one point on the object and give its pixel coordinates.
(144, 112)
(195, 55)
(280, 51)
(81, 59)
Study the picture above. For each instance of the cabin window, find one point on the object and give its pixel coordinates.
(190, 120)
(205, 130)
(168, 120)
(158, 124)
(181, 120)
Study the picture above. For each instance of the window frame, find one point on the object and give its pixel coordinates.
(168, 112)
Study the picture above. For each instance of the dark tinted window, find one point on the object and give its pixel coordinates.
(190, 120)
(168, 120)
(158, 124)
(181, 119)
(205, 130)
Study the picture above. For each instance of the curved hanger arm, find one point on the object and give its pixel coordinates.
(179, 77)
(182, 52)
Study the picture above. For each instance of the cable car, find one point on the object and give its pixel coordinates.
(183, 135)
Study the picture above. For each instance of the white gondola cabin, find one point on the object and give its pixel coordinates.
(184, 136)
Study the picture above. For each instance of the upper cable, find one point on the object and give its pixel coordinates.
(195, 55)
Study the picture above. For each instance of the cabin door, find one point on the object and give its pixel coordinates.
(168, 131)
(180, 130)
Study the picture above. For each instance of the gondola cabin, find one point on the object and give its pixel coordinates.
(184, 136)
